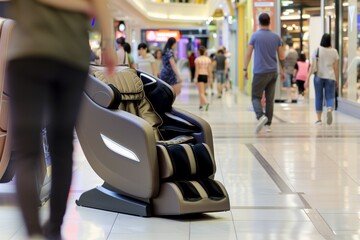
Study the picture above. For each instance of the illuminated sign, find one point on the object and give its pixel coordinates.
(161, 35)
(264, 6)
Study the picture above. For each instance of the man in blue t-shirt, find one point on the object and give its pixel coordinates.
(268, 49)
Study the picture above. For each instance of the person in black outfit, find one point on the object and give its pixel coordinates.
(48, 64)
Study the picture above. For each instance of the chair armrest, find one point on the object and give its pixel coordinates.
(205, 135)
(120, 147)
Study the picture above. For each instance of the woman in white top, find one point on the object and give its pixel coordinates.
(145, 61)
(158, 61)
(120, 52)
(326, 60)
(203, 74)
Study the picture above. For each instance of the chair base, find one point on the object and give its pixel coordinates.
(104, 199)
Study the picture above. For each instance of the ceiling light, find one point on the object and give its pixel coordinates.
(295, 17)
(287, 3)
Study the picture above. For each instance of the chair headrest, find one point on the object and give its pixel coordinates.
(126, 81)
(160, 94)
(99, 92)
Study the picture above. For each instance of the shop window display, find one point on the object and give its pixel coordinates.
(350, 85)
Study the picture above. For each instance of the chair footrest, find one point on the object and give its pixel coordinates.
(212, 189)
(172, 201)
(188, 191)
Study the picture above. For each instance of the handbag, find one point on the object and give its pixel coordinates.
(315, 69)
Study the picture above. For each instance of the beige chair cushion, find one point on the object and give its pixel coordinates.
(133, 99)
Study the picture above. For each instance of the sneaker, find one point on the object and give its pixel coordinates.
(201, 108)
(206, 107)
(267, 128)
(261, 123)
(329, 117)
(318, 122)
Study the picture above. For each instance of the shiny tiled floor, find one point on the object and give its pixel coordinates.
(300, 181)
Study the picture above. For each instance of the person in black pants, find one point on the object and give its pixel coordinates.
(49, 97)
(47, 70)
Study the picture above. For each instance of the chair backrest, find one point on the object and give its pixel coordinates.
(162, 96)
(6, 171)
(117, 144)
(159, 93)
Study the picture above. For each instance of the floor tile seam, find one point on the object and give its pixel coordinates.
(274, 221)
(279, 182)
(15, 233)
(218, 166)
(320, 224)
(265, 207)
(251, 140)
(295, 137)
(112, 226)
(342, 168)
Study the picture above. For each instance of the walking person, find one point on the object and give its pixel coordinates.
(158, 61)
(301, 70)
(122, 58)
(221, 66)
(47, 70)
(127, 49)
(203, 75)
(191, 60)
(145, 61)
(267, 46)
(169, 72)
(291, 57)
(325, 60)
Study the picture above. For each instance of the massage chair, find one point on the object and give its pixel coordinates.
(7, 170)
(155, 159)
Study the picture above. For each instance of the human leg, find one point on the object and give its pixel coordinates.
(66, 92)
(329, 93)
(300, 85)
(287, 85)
(319, 96)
(177, 88)
(192, 71)
(258, 86)
(220, 77)
(28, 88)
(202, 97)
(269, 96)
(329, 99)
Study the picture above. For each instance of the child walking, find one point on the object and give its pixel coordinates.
(301, 70)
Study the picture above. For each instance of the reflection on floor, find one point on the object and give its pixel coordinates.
(301, 181)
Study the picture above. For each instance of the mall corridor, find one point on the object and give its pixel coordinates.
(299, 182)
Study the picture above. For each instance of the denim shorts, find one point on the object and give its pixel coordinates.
(220, 76)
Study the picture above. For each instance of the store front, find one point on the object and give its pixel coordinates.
(342, 21)
(188, 40)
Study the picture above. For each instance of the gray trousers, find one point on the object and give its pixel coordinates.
(264, 82)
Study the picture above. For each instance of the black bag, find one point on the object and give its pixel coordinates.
(315, 69)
